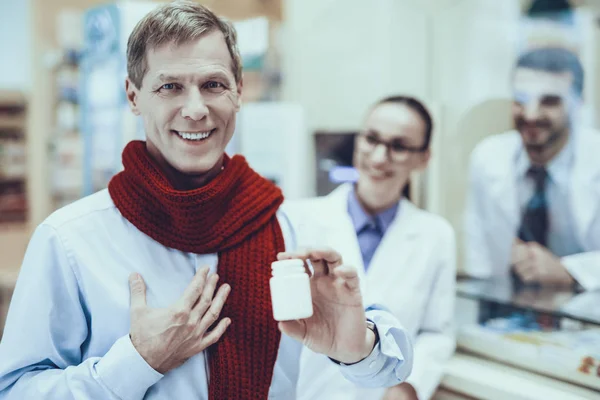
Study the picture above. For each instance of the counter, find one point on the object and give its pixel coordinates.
(547, 340)
(555, 302)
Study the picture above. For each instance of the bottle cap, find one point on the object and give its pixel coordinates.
(286, 267)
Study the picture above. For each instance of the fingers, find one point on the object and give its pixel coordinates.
(349, 275)
(519, 253)
(294, 329)
(327, 262)
(526, 271)
(137, 289)
(205, 299)
(195, 288)
(213, 336)
(524, 263)
(212, 314)
(325, 254)
(322, 260)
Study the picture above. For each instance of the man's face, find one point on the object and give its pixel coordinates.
(542, 105)
(188, 101)
(384, 169)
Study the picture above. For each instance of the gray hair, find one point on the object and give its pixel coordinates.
(178, 22)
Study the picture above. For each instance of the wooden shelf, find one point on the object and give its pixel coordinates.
(12, 179)
(13, 148)
(12, 98)
(12, 123)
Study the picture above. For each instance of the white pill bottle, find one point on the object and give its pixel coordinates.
(290, 291)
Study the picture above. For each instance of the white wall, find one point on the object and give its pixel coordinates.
(456, 55)
(15, 45)
(342, 55)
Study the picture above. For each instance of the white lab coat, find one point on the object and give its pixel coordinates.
(492, 214)
(412, 273)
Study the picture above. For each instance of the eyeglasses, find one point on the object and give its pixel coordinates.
(545, 100)
(395, 150)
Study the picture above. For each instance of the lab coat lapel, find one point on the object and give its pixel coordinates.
(585, 182)
(502, 184)
(341, 235)
(396, 249)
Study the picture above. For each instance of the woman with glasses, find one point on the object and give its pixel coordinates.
(405, 255)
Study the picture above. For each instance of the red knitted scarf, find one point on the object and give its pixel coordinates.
(234, 215)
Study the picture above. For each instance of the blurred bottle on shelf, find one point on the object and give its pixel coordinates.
(66, 143)
(13, 160)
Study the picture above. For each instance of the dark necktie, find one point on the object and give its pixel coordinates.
(534, 225)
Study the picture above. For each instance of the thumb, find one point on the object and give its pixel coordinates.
(137, 288)
(294, 329)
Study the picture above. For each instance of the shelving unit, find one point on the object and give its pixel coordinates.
(13, 162)
(65, 142)
(14, 193)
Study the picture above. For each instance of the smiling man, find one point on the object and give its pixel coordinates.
(532, 209)
(119, 297)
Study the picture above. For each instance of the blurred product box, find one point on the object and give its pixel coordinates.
(550, 331)
(13, 164)
(572, 356)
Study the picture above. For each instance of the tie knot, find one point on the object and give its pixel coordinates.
(539, 175)
(372, 225)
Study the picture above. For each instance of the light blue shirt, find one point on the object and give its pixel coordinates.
(562, 239)
(66, 334)
(369, 228)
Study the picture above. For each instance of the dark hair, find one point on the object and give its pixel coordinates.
(554, 60)
(418, 107)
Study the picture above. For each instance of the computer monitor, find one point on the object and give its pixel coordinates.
(334, 153)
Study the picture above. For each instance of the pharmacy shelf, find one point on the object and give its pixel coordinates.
(13, 165)
(10, 123)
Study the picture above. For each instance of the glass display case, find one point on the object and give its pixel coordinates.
(550, 331)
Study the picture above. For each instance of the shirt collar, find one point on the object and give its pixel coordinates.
(360, 218)
(558, 168)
